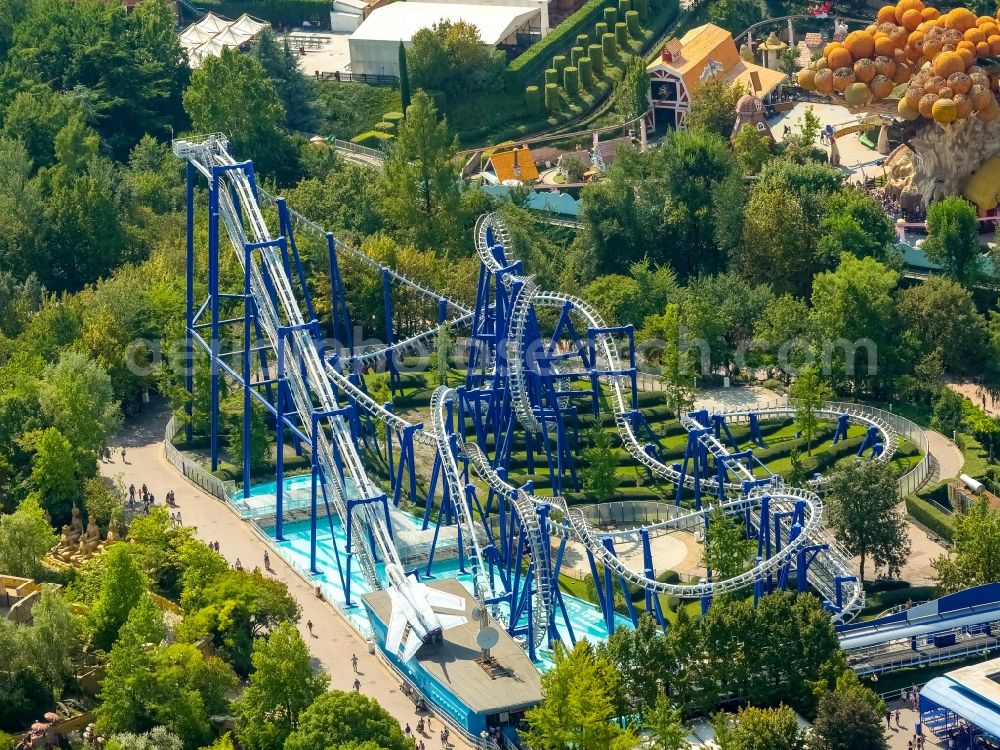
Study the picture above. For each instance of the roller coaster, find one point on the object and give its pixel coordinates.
(537, 362)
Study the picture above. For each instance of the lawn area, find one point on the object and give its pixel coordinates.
(349, 109)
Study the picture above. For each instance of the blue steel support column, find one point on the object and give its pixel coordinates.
(213, 292)
(279, 460)
(248, 259)
(189, 311)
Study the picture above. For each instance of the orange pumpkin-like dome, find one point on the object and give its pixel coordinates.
(886, 14)
(806, 78)
(907, 111)
(946, 63)
(964, 106)
(960, 83)
(881, 86)
(860, 44)
(864, 70)
(823, 80)
(926, 104)
(944, 111)
(839, 57)
(842, 78)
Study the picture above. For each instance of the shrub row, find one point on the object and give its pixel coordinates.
(529, 65)
(284, 12)
(929, 516)
(372, 138)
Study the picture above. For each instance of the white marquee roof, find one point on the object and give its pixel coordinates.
(212, 34)
(400, 21)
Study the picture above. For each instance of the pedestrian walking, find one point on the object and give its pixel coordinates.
(131, 492)
(888, 719)
(145, 492)
(897, 717)
(216, 546)
(354, 662)
(408, 730)
(267, 561)
(179, 521)
(357, 685)
(123, 455)
(420, 726)
(309, 624)
(239, 565)
(909, 745)
(444, 740)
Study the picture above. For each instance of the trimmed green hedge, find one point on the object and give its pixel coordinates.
(559, 62)
(642, 7)
(596, 54)
(621, 35)
(600, 29)
(586, 73)
(571, 81)
(574, 56)
(611, 16)
(632, 22)
(529, 65)
(551, 75)
(285, 12)
(552, 97)
(610, 46)
(372, 138)
(533, 99)
(925, 513)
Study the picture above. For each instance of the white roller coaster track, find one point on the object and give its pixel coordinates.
(836, 563)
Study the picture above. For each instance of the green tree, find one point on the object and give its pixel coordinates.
(443, 348)
(856, 224)
(260, 445)
(579, 692)
(808, 394)
(25, 538)
(941, 315)
(766, 729)
(631, 94)
(642, 659)
(863, 500)
(971, 561)
(54, 635)
(451, 57)
(241, 606)
(122, 586)
(421, 185)
(665, 726)
(713, 106)
(281, 687)
(337, 719)
(846, 721)
(34, 118)
(232, 94)
(948, 412)
(953, 238)
(404, 78)
(735, 16)
(77, 398)
(600, 476)
(104, 500)
(853, 322)
(54, 481)
(778, 232)
(296, 92)
(752, 149)
(727, 551)
(676, 366)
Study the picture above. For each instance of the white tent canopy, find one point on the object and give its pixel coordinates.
(212, 34)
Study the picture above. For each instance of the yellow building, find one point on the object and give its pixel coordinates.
(704, 52)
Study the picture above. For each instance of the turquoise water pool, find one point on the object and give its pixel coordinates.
(586, 618)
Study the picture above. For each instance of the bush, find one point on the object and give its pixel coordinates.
(533, 99)
(669, 576)
(372, 139)
(559, 62)
(609, 47)
(530, 64)
(621, 35)
(393, 117)
(551, 75)
(611, 17)
(551, 97)
(586, 73)
(574, 55)
(600, 30)
(641, 7)
(385, 127)
(582, 40)
(927, 515)
(571, 82)
(439, 98)
(885, 584)
(624, 6)
(632, 23)
(596, 54)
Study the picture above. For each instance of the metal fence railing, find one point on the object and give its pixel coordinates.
(191, 469)
(357, 148)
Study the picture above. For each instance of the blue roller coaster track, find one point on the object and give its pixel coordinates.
(537, 361)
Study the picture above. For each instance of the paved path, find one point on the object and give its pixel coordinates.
(948, 459)
(333, 640)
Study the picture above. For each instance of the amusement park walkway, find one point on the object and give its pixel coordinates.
(333, 641)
